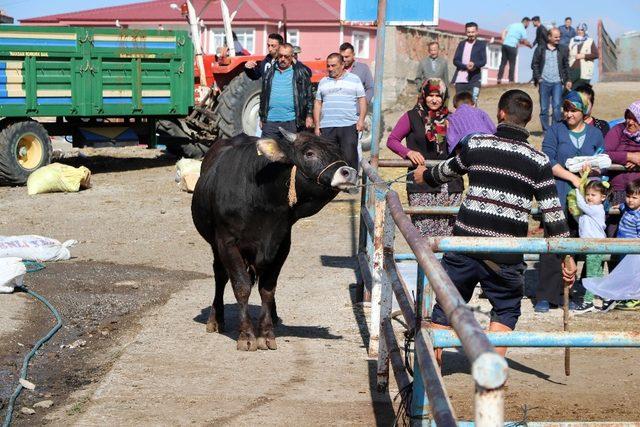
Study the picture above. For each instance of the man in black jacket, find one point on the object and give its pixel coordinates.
(255, 70)
(287, 99)
(550, 65)
(470, 57)
(541, 32)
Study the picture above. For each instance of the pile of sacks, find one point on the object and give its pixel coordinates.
(15, 249)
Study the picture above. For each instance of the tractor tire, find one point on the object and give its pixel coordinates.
(24, 147)
(238, 107)
(178, 143)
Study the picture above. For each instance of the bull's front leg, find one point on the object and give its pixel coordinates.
(267, 284)
(241, 281)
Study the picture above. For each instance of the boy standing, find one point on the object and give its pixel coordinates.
(629, 226)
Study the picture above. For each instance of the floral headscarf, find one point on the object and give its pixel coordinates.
(634, 110)
(580, 101)
(435, 121)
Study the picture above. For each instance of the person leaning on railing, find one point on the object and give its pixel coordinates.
(425, 129)
(505, 174)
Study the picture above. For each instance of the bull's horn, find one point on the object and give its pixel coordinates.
(289, 136)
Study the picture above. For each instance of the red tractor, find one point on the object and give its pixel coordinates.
(227, 102)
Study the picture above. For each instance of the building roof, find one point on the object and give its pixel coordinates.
(262, 11)
(160, 11)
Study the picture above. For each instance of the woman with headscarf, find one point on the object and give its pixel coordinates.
(622, 144)
(582, 54)
(424, 128)
(570, 138)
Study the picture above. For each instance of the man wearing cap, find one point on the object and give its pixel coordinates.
(512, 36)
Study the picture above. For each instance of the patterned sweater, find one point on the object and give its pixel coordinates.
(505, 174)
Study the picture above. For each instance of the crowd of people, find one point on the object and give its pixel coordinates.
(338, 109)
(505, 172)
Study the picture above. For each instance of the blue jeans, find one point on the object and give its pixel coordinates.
(550, 93)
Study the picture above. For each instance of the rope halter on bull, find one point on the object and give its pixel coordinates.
(293, 196)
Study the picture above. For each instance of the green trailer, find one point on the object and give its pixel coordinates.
(90, 83)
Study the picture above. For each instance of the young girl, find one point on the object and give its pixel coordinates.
(591, 224)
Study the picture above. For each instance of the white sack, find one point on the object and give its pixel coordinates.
(35, 248)
(12, 272)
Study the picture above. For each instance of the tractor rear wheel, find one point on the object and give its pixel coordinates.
(24, 147)
(238, 107)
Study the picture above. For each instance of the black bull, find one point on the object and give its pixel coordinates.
(243, 207)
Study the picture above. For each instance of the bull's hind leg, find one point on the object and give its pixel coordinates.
(241, 282)
(267, 285)
(215, 323)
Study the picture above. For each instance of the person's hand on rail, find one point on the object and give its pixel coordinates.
(418, 174)
(415, 157)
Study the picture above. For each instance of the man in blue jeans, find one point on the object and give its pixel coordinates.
(550, 65)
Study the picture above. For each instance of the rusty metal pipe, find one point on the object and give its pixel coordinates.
(398, 163)
(442, 411)
(453, 210)
(397, 363)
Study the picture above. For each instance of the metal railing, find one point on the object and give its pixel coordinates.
(381, 213)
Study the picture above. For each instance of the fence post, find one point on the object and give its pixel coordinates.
(489, 407)
(378, 275)
(386, 297)
(363, 238)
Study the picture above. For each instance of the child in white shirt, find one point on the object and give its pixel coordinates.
(591, 224)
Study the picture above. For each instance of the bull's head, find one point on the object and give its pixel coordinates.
(316, 158)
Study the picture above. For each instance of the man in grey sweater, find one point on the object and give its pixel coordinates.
(358, 68)
(433, 66)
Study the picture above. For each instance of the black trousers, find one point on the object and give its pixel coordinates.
(270, 129)
(509, 54)
(347, 139)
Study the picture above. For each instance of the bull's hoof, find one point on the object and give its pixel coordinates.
(265, 343)
(246, 342)
(213, 326)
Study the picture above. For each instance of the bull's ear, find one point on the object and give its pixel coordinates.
(271, 150)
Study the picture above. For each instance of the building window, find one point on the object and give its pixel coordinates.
(361, 44)
(293, 37)
(246, 37)
(494, 54)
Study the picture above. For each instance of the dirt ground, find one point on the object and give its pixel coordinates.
(135, 296)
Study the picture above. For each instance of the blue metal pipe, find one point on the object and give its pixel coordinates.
(527, 257)
(447, 339)
(528, 245)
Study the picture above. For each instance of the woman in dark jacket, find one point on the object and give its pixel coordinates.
(569, 138)
(424, 127)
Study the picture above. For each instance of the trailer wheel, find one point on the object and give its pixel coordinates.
(24, 147)
(237, 108)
